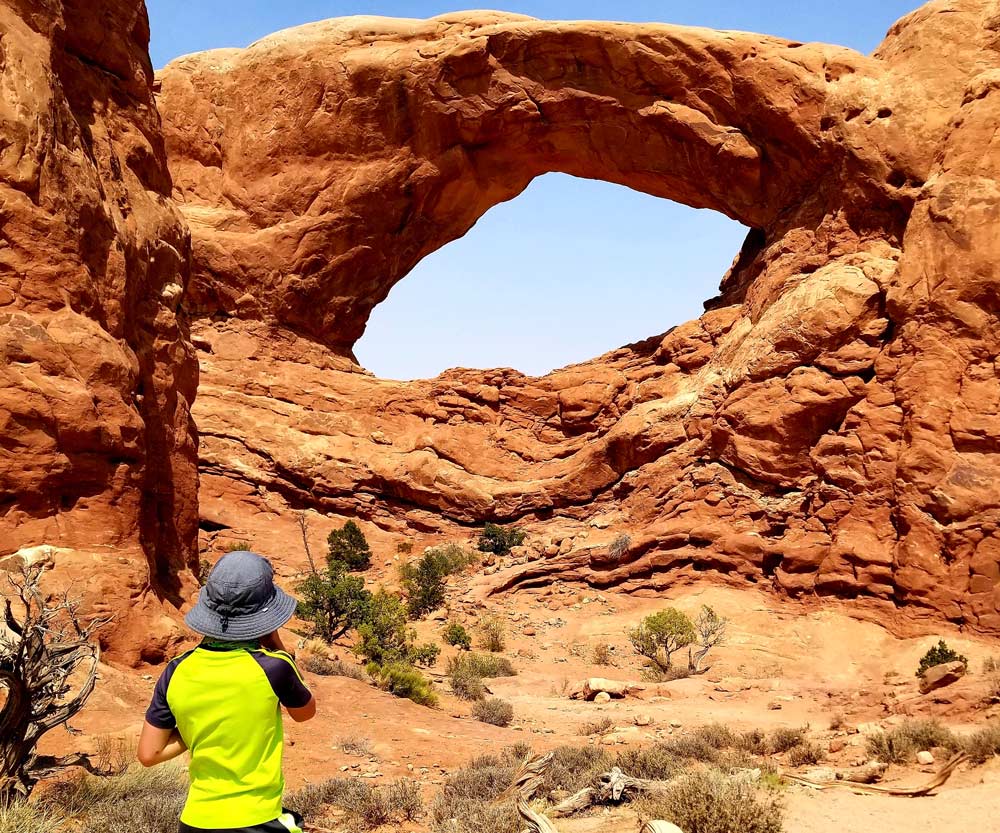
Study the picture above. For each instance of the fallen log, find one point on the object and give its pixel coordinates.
(615, 787)
(527, 780)
(537, 823)
(874, 789)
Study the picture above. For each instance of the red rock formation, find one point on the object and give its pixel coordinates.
(99, 456)
(829, 425)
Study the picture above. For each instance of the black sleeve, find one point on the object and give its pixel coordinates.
(284, 677)
(159, 714)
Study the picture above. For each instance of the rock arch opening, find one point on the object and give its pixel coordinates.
(568, 270)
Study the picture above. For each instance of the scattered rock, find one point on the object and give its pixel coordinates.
(602, 697)
(589, 689)
(940, 676)
(924, 757)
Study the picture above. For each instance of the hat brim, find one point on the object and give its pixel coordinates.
(272, 616)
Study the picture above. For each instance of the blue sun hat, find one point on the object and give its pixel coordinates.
(240, 600)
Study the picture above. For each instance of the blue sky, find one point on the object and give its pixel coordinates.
(571, 268)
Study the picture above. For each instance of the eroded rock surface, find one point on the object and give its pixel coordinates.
(99, 459)
(829, 425)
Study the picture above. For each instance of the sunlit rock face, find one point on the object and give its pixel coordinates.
(828, 426)
(99, 459)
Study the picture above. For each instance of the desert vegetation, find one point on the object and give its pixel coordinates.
(661, 635)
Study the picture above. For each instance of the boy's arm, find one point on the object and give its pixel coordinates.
(285, 679)
(157, 746)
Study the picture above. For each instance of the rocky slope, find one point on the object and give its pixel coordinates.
(829, 424)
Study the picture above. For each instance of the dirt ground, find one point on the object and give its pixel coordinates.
(782, 665)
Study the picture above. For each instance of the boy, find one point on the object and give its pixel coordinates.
(222, 700)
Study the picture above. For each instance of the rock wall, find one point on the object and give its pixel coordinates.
(98, 459)
(829, 425)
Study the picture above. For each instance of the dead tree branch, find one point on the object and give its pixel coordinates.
(43, 643)
(907, 792)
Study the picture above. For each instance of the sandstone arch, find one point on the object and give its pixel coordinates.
(829, 425)
(797, 433)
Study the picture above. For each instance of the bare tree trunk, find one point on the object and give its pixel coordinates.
(303, 522)
(41, 646)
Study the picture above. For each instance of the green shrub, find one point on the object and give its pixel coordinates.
(494, 711)
(938, 655)
(333, 601)
(498, 539)
(492, 634)
(349, 546)
(404, 681)
(424, 579)
(482, 665)
(458, 636)
(383, 635)
(426, 654)
(467, 684)
(706, 801)
(660, 635)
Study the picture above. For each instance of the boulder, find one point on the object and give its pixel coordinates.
(939, 676)
(590, 688)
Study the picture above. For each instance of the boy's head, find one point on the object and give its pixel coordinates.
(240, 601)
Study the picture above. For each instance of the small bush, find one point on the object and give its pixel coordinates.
(483, 665)
(575, 767)
(356, 745)
(424, 579)
(938, 655)
(717, 736)
(984, 743)
(326, 667)
(991, 664)
(492, 634)
(499, 540)
(467, 684)
(349, 546)
(692, 748)
(601, 655)
(598, 727)
(752, 742)
(494, 711)
(657, 762)
(458, 636)
(837, 722)
(464, 802)
(901, 743)
(404, 547)
(619, 547)
(426, 654)
(706, 801)
(383, 635)
(784, 739)
(805, 754)
(404, 681)
(660, 635)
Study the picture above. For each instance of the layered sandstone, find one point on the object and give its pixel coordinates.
(829, 425)
(99, 460)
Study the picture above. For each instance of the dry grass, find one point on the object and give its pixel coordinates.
(113, 754)
(365, 806)
(601, 655)
(598, 727)
(901, 743)
(463, 804)
(707, 801)
(356, 745)
(326, 667)
(984, 743)
(575, 767)
(22, 817)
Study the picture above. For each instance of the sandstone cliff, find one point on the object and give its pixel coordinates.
(829, 425)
